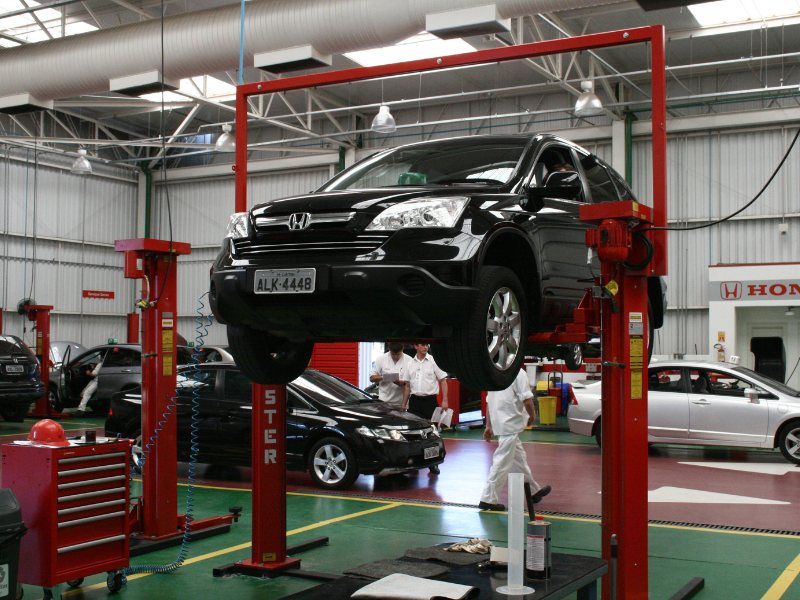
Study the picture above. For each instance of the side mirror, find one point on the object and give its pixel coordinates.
(751, 395)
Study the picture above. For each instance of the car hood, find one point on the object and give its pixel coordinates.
(372, 201)
(378, 413)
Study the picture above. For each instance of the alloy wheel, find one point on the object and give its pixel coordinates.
(330, 464)
(503, 328)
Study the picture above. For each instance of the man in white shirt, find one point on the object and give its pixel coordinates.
(422, 377)
(508, 412)
(387, 372)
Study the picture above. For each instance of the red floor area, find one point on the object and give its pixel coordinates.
(573, 471)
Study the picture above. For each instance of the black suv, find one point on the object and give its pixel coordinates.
(473, 243)
(20, 378)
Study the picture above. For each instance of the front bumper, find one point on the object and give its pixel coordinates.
(384, 456)
(353, 300)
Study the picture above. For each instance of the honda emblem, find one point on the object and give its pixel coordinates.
(299, 221)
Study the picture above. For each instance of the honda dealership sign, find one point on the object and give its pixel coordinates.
(744, 291)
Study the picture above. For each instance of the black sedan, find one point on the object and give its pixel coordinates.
(20, 378)
(326, 419)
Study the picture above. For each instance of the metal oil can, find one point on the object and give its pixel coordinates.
(539, 558)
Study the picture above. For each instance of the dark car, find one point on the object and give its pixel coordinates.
(473, 243)
(20, 378)
(326, 419)
(121, 370)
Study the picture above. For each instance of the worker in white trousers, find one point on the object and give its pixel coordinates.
(89, 390)
(508, 412)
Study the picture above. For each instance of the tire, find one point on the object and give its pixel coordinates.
(15, 414)
(55, 400)
(573, 359)
(267, 359)
(75, 582)
(598, 432)
(789, 442)
(332, 464)
(650, 332)
(115, 581)
(485, 358)
(443, 360)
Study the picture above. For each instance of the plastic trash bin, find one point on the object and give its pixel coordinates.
(11, 531)
(547, 410)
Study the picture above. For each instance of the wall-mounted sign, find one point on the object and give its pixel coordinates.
(746, 291)
(97, 294)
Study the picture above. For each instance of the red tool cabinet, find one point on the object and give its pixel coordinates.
(74, 502)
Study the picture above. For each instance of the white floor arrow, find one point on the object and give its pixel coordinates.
(762, 468)
(673, 494)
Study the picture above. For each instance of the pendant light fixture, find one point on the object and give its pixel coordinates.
(226, 142)
(81, 166)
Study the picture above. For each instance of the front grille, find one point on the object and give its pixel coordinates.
(336, 242)
(414, 435)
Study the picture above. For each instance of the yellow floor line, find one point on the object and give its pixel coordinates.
(783, 582)
(244, 546)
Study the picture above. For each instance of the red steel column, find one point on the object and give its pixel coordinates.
(624, 423)
(159, 490)
(133, 328)
(269, 480)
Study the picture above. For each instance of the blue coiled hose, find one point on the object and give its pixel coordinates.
(192, 374)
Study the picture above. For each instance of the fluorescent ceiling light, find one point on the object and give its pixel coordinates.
(417, 47)
(737, 11)
(213, 88)
(25, 28)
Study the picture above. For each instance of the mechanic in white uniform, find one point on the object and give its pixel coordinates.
(508, 412)
(390, 389)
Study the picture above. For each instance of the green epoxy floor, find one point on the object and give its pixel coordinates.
(735, 565)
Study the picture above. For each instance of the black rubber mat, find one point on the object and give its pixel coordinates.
(382, 568)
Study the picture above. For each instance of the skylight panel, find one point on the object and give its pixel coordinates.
(417, 47)
(25, 27)
(737, 11)
(215, 88)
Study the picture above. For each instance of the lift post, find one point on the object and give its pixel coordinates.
(40, 315)
(155, 520)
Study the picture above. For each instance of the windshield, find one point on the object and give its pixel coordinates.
(13, 345)
(782, 388)
(463, 161)
(329, 390)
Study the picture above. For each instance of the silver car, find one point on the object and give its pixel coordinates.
(708, 404)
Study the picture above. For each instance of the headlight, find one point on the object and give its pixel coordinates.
(239, 226)
(386, 434)
(422, 212)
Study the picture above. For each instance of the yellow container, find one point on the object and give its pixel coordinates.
(547, 410)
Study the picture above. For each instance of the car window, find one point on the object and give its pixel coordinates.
(123, 357)
(437, 163)
(665, 380)
(294, 401)
(553, 159)
(599, 181)
(204, 380)
(92, 358)
(721, 383)
(10, 344)
(238, 387)
(623, 190)
(781, 387)
(329, 390)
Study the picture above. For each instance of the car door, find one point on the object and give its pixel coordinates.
(719, 411)
(667, 403)
(299, 421)
(235, 418)
(77, 374)
(560, 236)
(122, 367)
(203, 385)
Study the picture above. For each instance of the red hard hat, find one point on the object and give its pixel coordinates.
(48, 432)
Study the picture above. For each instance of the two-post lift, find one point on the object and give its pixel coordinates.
(620, 297)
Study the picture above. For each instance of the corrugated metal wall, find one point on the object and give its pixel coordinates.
(58, 236)
(200, 213)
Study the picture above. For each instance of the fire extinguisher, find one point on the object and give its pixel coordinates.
(720, 352)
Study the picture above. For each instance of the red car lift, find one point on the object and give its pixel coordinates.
(624, 520)
(153, 520)
(40, 315)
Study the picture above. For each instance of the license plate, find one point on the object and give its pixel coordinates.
(285, 281)
(431, 452)
(15, 368)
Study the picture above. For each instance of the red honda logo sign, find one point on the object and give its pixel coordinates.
(730, 290)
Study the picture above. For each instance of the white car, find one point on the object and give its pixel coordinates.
(707, 404)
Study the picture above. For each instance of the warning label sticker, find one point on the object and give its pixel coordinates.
(636, 384)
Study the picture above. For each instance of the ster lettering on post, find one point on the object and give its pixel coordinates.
(270, 457)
